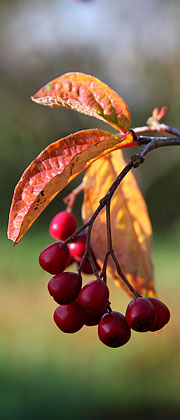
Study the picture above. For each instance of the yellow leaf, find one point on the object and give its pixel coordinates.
(130, 223)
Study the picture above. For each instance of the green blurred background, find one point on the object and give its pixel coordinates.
(134, 47)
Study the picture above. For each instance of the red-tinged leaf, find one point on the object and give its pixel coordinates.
(130, 224)
(86, 94)
(53, 169)
(159, 113)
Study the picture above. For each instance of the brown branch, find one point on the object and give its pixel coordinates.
(150, 144)
(102, 204)
(154, 126)
(159, 141)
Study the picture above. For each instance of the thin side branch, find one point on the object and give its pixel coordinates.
(70, 199)
(154, 126)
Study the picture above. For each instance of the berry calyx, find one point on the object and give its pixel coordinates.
(69, 318)
(140, 314)
(54, 258)
(64, 287)
(162, 314)
(94, 296)
(63, 225)
(113, 330)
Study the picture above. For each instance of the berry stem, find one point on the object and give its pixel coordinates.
(109, 241)
(103, 273)
(110, 252)
(126, 281)
(108, 223)
(93, 265)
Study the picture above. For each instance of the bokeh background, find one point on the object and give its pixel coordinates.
(134, 47)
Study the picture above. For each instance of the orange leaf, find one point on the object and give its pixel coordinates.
(53, 169)
(88, 95)
(131, 227)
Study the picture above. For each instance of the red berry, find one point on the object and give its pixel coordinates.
(69, 318)
(86, 267)
(64, 287)
(94, 296)
(70, 260)
(140, 314)
(54, 258)
(92, 319)
(63, 225)
(113, 329)
(162, 314)
(77, 247)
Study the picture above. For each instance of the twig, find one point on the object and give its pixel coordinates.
(150, 143)
(161, 128)
(128, 284)
(109, 194)
(136, 160)
(103, 273)
(153, 125)
(70, 199)
(93, 265)
(159, 141)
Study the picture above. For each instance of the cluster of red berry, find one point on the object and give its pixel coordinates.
(89, 305)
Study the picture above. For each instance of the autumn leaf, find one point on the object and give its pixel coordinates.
(53, 169)
(88, 95)
(131, 227)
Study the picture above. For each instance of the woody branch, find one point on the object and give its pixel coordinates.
(150, 143)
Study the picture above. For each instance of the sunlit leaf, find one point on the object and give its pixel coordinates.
(53, 169)
(131, 227)
(86, 94)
